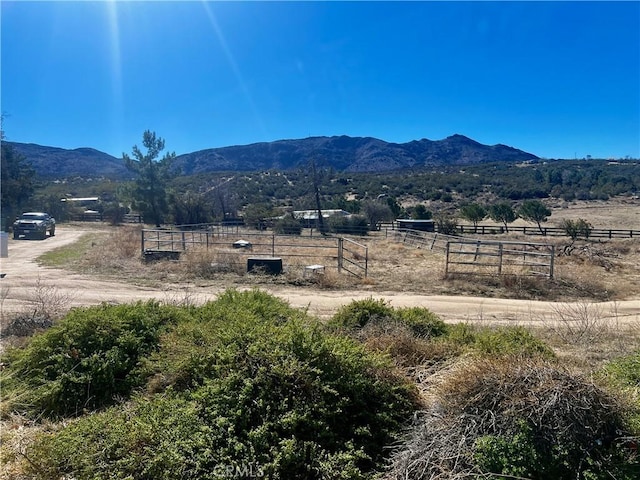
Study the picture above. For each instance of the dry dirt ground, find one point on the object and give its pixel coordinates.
(25, 278)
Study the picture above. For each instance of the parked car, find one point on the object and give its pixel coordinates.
(35, 225)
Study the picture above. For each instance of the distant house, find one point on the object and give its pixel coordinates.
(83, 208)
(309, 218)
(84, 201)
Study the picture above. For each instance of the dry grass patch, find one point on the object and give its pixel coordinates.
(405, 348)
(586, 335)
(45, 305)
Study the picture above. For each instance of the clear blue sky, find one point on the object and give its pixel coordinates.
(557, 79)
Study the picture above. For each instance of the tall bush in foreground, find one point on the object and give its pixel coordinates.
(247, 386)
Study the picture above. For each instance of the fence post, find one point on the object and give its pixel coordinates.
(435, 236)
(184, 242)
(142, 241)
(500, 257)
(446, 262)
(553, 256)
(366, 261)
(273, 245)
(340, 253)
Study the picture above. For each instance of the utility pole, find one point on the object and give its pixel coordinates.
(316, 188)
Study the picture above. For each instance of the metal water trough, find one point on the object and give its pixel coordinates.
(271, 265)
(155, 255)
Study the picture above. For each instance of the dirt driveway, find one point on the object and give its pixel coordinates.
(24, 277)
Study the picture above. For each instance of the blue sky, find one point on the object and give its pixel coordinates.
(557, 79)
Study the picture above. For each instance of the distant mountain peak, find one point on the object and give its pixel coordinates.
(352, 154)
(341, 152)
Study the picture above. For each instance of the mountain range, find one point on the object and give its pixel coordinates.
(343, 153)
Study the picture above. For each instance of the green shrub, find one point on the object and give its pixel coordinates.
(145, 439)
(359, 312)
(287, 225)
(626, 370)
(352, 225)
(85, 361)
(460, 334)
(522, 455)
(246, 382)
(511, 341)
(624, 374)
(576, 228)
(422, 322)
(515, 456)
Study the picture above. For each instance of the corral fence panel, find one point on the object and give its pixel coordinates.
(482, 256)
(353, 257)
(227, 245)
(421, 239)
(499, 258)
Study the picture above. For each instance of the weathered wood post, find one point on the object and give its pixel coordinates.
(446, 262)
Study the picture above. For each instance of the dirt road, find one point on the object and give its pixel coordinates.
(25, 278)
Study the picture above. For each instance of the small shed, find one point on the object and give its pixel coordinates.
(421, 225)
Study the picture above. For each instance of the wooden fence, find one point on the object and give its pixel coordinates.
(545, 231)
(462, 229)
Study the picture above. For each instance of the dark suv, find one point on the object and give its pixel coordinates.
(34, 224)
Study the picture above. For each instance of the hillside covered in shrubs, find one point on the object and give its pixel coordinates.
(246, 386)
